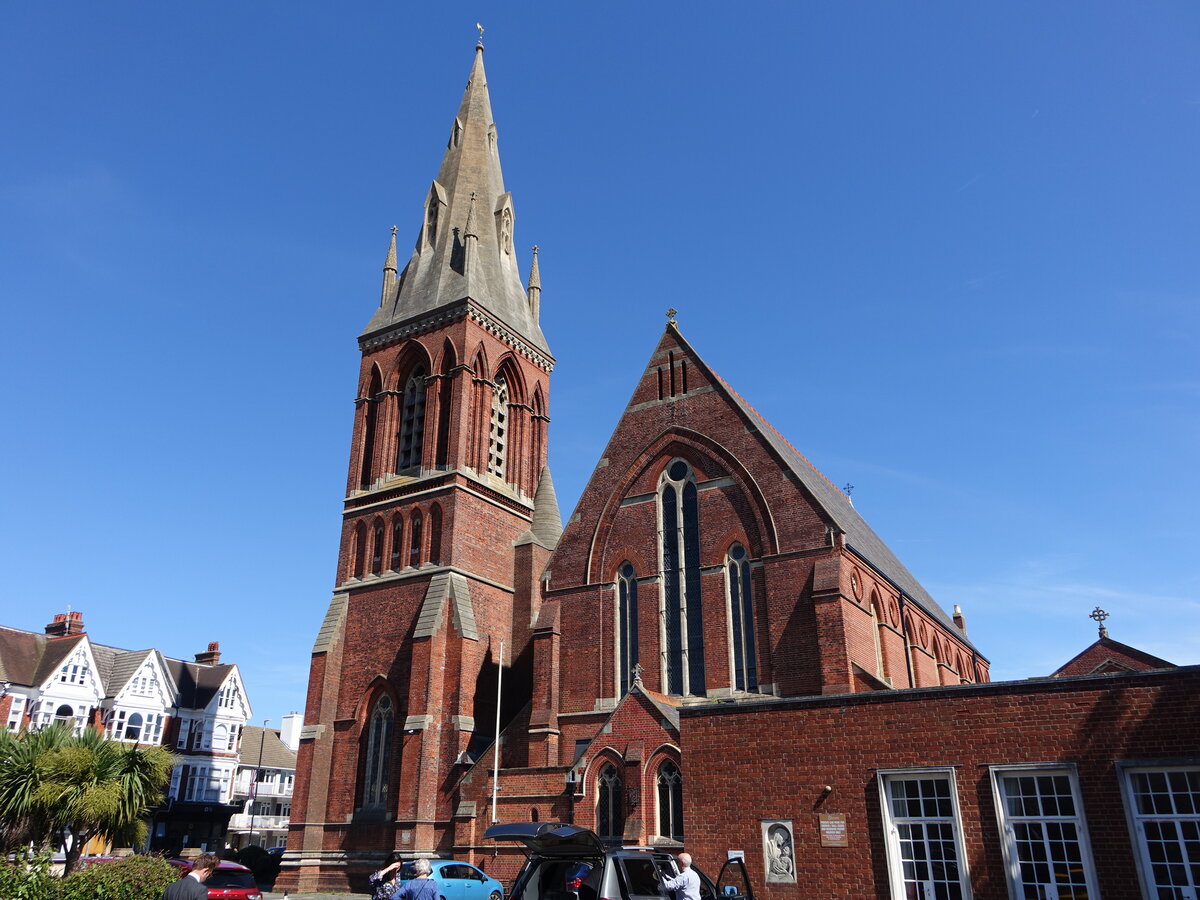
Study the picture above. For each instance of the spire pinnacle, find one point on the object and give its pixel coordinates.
(468, 218)
(534, 291)
(545, 527)
(389, 270)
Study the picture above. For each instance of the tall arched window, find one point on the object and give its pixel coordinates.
(498, 439)
(682, 637)
(414, 540)
(370, 414)
(377, 548)
(670, 801)
(379, 754)
(397, 542)
(610, 814)
(360, 550)
(412, 422)
(627, 627)
(741, 618)
(435, 534)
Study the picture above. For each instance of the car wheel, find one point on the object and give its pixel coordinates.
(495, 895)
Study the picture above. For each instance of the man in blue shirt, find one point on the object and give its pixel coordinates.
(685, 885)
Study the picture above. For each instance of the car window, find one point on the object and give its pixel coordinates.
(559, 879)
(472, 873)
(708, 890)
(221, 879)
(642, 878)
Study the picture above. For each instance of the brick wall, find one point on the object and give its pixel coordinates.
(749, 763)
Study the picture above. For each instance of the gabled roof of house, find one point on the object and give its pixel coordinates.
(275, 754)
(30, 658)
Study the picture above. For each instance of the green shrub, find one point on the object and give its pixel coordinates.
(28, 880)
(132, 878)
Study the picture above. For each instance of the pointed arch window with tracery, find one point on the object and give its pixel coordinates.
(627, 627)
(377, 771)
(670, 801)
(498, 436)
(412, 422)
(610, 813)
(682, 630)
(740, 593)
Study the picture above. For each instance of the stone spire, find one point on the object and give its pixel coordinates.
(389, 271)
(546, 527)
(535, 286)
(436, 274)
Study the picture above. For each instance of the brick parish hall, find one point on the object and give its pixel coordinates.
(714, 637)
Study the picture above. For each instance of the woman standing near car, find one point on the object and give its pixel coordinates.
(386, 880)
(420, 888)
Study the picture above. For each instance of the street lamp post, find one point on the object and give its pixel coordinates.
(262, 739)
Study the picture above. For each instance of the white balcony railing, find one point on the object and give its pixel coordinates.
(242, 822)
(265, 789)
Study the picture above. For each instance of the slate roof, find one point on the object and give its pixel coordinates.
(860, 537)
(469, 197)
(275, 754)
(30, 658)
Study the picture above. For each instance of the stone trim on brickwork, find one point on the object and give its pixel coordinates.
(332, 625)
(443, 586)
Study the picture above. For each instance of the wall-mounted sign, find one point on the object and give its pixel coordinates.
(833, 830)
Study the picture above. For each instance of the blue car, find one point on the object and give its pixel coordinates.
(459, 880)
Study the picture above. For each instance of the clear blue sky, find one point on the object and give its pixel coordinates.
(949, 249)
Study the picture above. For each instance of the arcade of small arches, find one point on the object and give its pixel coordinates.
(408, 539)
(407, 417)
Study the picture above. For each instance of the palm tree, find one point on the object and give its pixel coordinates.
(82, 785)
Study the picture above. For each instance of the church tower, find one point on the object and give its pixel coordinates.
(448, 520)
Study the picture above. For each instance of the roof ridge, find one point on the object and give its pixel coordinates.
(750, 406)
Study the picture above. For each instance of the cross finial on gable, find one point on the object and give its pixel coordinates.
(1100, 615)
(671, 314)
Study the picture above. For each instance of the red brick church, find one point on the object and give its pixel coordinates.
(709, 570)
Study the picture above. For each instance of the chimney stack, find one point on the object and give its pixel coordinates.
(66, 624)
(211, 656)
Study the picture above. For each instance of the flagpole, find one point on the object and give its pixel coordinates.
(496, 745)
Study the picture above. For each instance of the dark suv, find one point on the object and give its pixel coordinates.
(567, 862)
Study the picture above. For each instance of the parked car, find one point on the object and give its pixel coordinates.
(230, 881)
(459, 880)
(566, 862)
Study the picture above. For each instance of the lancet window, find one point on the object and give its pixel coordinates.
(740, 593)
(610, 813)
(412, 421)
(670, 801)
(498, 438)
(378, 754)
(627, 627)
(682, 630)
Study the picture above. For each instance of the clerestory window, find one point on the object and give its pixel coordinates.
(682, 631)
(412, 422)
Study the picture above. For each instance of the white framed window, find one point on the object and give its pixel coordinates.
(1163, 804)
(15, 712)
(1047, 854)
(926, 860)
(76, 669)
(230, 695)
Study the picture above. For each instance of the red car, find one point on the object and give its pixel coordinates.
(231, 881)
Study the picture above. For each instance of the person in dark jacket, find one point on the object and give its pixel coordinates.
(191, 886)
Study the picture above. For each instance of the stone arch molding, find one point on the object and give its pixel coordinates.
(695, 448)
